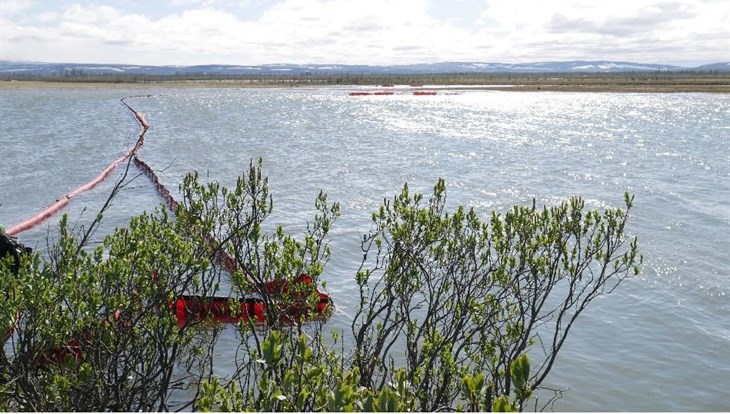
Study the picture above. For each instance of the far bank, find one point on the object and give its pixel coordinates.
(623, 83)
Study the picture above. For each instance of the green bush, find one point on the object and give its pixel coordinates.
(463, 300)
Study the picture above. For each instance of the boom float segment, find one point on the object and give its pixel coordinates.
(63, 201)
(194, 307)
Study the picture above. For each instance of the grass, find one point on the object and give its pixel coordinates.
(659, 82)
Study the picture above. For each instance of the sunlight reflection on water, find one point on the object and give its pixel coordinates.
(635, 350)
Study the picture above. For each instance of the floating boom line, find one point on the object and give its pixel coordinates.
(63, 201)
(194, 307)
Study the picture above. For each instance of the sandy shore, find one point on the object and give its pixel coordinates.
(716, 85)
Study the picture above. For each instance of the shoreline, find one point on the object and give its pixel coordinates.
(514, 84)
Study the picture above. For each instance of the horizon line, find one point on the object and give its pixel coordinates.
(365, 64)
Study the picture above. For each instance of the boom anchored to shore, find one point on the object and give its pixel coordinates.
(195, 307)
(63, 201)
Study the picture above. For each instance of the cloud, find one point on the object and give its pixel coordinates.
(632, 22)
(366, 31)
(12, 7)
(617, 30)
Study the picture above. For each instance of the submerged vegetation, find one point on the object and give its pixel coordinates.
(478, 307)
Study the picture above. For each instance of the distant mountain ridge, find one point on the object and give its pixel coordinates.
(8, 68)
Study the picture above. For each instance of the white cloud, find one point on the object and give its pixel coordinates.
(663, 31)
(11, 7)
(370, 32)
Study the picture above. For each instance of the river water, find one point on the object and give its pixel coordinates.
(661, 342)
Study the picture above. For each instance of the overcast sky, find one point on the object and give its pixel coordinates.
(378, 32)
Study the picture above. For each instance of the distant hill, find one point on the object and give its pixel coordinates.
(720, 67)
(9, 68)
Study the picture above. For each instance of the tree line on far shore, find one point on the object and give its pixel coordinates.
(686, 77)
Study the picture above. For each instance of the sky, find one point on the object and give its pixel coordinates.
(374, 32)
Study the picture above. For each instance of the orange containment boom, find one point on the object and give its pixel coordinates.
(233, 310)
(219, 309)
(63, 201)
(193, 309)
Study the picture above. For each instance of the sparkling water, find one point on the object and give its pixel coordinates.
(661, 342)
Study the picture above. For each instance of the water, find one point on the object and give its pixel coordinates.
(660, 343)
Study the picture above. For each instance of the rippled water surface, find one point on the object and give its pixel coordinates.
(661, 342)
